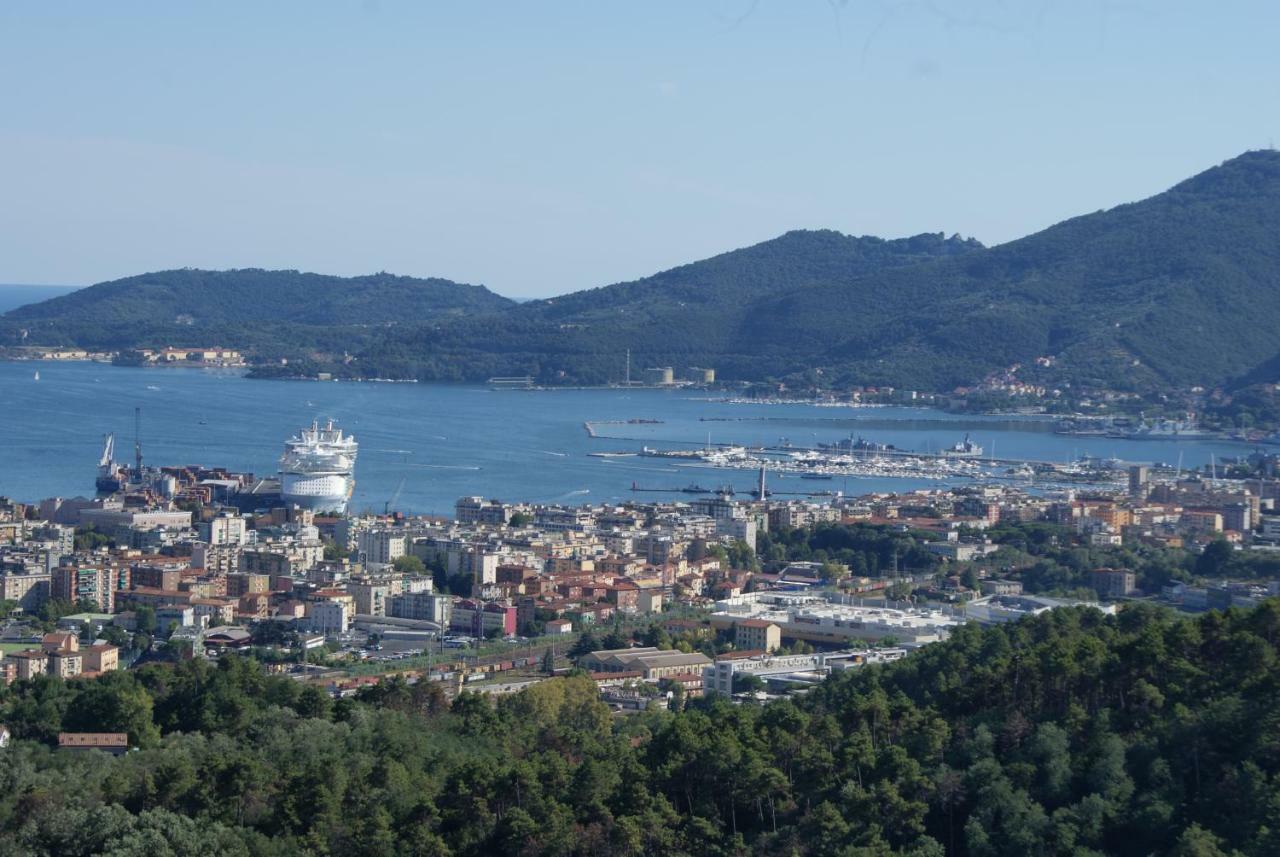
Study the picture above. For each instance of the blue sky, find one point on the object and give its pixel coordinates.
(540, 148)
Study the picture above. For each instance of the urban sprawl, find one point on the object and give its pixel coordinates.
(656, 601)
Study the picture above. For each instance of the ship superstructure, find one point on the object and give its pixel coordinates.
(317, 470)
(112, 477)
(964, 449)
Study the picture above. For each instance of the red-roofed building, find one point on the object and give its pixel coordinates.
(115, 743)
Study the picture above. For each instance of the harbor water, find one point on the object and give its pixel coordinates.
(422, 445)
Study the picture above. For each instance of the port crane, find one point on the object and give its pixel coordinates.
(386, 508)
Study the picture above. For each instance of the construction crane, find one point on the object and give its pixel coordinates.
(386, 509)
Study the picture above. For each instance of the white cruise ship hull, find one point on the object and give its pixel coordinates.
(317, 492)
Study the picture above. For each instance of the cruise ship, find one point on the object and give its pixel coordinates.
(317, 469)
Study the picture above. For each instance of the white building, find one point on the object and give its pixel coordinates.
(329, 617)
(422, 606)
(819, 620)
(998, 609)
(381, 547)
(718, 677)
(223, 530)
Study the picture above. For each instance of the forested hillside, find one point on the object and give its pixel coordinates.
(1164, 292)
(1168, 293)
(1067, 734)
(239, 308)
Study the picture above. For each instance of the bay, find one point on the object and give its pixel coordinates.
(422, 446)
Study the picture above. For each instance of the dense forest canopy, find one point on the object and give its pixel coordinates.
(1070, 733)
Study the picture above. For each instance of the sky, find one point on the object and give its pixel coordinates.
(541, 148)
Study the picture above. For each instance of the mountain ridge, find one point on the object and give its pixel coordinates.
(245, 307)
(1162, 292)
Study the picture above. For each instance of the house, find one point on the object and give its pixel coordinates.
(994, 586)
(51, 643)
(692, 683)
(115, 743)
(217, 610)
(100, 658)
(559, 626)
(1113, 583)
(650, 600)
(30, 664)
(66, 663)
(757, 635)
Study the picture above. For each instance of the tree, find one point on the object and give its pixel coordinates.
(1215, 558)
(1195, 841)
(145, 618)
(409, 565)
(676, 703)
(657, 637)
(334, 552)
(114, 702)
(549, 661)
(834, 572)
(585, 645)
(615, 640)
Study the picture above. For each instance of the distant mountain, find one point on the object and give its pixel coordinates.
(693, 314)
(14, 295)
(796, 260)
(239, 307)
(1178, 289)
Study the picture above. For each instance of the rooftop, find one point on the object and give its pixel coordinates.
(93, 739)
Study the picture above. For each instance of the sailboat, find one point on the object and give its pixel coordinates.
(37, 375)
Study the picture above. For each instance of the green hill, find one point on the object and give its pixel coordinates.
(237, 307)
(1174, 291)
(690, 315)
(1169, 291)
